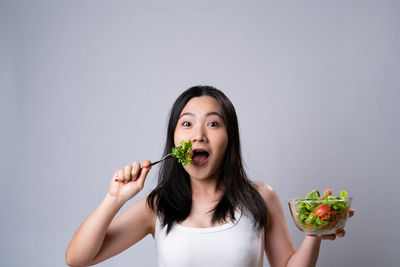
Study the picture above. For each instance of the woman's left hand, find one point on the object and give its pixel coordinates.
(340, 232)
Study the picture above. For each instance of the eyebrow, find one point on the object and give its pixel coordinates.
(208, 114)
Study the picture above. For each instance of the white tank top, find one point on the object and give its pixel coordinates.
(234, 244)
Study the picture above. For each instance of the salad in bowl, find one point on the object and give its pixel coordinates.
(316, 215)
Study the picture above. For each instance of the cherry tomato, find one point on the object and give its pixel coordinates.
(322, 210)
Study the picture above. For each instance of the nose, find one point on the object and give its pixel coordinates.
(199, 134)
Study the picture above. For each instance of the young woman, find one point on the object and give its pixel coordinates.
(207, 213)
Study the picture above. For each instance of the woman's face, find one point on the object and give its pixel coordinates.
(201, 121)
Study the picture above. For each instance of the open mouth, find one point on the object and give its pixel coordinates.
(200, 156)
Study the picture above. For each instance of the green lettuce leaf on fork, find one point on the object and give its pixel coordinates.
(183, 152)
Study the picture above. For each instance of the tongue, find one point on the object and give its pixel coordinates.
(200, 158)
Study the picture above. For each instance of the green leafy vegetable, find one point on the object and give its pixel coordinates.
(313, 195)
(183, 152)
(315, 212)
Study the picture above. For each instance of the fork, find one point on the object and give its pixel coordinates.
(152, 164)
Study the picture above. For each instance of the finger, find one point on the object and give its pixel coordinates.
(146, 163)
(135, 170)
(327, 192)
(340, 233)
(143, 174)
(120, 175)
(327, 237)
(115, 176)
(127, 173)
(351, 212)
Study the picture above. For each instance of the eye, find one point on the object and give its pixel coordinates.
(213, 124)
(186, 124)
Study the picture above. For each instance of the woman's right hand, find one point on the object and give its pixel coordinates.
(125, 183)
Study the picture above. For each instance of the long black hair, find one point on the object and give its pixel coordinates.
(172, 198)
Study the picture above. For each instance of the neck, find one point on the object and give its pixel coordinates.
(204, 187)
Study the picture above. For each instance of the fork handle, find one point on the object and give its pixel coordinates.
(164, 158)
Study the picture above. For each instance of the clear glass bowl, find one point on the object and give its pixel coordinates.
(324, 223)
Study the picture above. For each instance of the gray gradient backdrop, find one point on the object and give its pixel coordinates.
(86, 87)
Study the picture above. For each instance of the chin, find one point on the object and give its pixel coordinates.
(202, 174)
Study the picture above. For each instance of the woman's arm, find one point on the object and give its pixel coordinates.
(100, 237)
(279, 246)
(307, 255)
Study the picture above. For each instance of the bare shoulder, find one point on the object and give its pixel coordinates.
(142, 203)
(266, 192)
